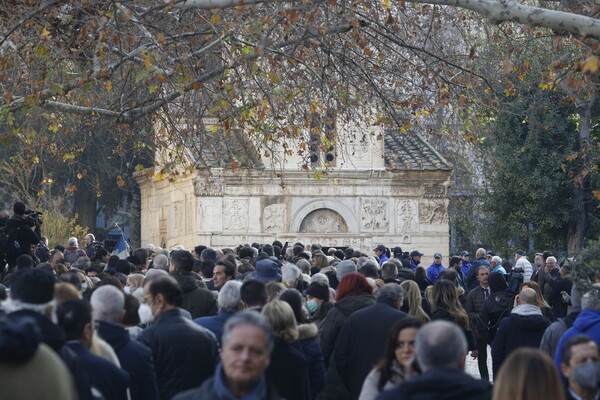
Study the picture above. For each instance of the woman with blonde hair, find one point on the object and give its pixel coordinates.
(413, 301)
(135, 284)
(319, 260)
(541, 302)
(445, 305)
(528, 374)
(288, 369)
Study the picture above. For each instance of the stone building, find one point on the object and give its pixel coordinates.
(391, 188)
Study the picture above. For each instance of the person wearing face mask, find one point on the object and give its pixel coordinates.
(317, 302)
(580, 364)
(135, 282)
(184, 353)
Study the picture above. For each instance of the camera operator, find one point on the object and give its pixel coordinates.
(20, 233)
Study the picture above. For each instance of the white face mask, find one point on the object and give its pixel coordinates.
(145, 313)
(83, 287)
(127, 290)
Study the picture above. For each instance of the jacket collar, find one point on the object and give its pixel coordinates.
(114, 334)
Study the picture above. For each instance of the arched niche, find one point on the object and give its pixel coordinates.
(323, 220)
(347, 214)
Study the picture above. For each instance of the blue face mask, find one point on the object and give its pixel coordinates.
(312, 306)
(127, 290)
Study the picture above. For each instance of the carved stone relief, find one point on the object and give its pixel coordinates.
(323, 220)
(433, 214)
(235, 216)
(434, 191)
(210, 214)
(374, 215)
(407, 216)
(208, 186)
(274, 218)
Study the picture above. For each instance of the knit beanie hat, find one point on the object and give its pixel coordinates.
(32, 286)
(344, 268)
(318, 290)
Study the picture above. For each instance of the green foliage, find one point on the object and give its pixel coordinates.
(58, 228)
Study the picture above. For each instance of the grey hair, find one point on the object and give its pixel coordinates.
(108, 303)
(154, 273)
(82, 263)
(389, 270)
(72, 242)
(304, 265)
(390, 292)
(371, 262)
(90, 236)
(319, 277)
(480, 252)
(164, 252)
(290, 273)
(229, 296)
(440, 344)
(497, 260)
(591, 300)
(161, 262)
(251, 318)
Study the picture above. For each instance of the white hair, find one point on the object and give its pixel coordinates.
(107, 303)
(229, 296)
(497, 260)
(161, 262)
(319, 277)
(178, 247)
(90, 236)
(72, 242)
(290, 273)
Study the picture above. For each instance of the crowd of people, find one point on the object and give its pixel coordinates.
(275, 321)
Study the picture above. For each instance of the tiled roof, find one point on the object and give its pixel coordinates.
(409, 151)
(212, 150)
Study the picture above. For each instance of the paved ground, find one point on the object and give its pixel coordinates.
(471, 365)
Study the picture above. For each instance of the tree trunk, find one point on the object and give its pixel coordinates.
(85, 207)
(579, 223)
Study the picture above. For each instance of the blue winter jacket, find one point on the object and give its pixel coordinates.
(587, 323)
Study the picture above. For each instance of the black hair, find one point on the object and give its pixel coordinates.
(73, 316)
(246, 252)
(454, 260)
(277, 243)
(99, 252)
(142, 254)
(24, 261)
(199, 249)
(209, 254)
(267, 248)
(182, 260)
(131, 307)
(168, 287)
(348, 253)
(294, 298)
(229, 269)
(70, 277)
(297, 250)
(123, 266)
(112, 262)
(254, 293)
(369, 271)
(449, 274)
(338, 254)
(277, 251)
(206, 268)
(19, 208)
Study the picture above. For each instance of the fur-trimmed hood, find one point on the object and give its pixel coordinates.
(307, 331)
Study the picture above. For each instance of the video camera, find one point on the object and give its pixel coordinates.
(33, 218)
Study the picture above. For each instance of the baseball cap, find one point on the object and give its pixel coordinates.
(379, 247)
(464, 253)
(437, 255)
(416, 253)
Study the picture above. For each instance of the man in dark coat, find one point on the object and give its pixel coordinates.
(230, 302)
(472, 274)
(108, 304)
(199, 301)
(495, 307)
(18, 230)
(524, 327)
(560, 287)
(475, 301)
(361, 342)
(247, 347)
(184, 353)
(441, 350)
(75, 318)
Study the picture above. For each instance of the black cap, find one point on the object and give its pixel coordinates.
(416, 253)
(397, 250)
(520, 252)
(32, 286)
(490, 253)
(379, 247)
(464, 253)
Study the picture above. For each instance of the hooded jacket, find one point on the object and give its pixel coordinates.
(523, 328)
(587, 323)
(307, 341)
(24, 360)
(441, 383)
(200, 302)
(495, 307)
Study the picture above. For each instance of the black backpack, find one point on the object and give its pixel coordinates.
(513, 283)
(10, 248)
